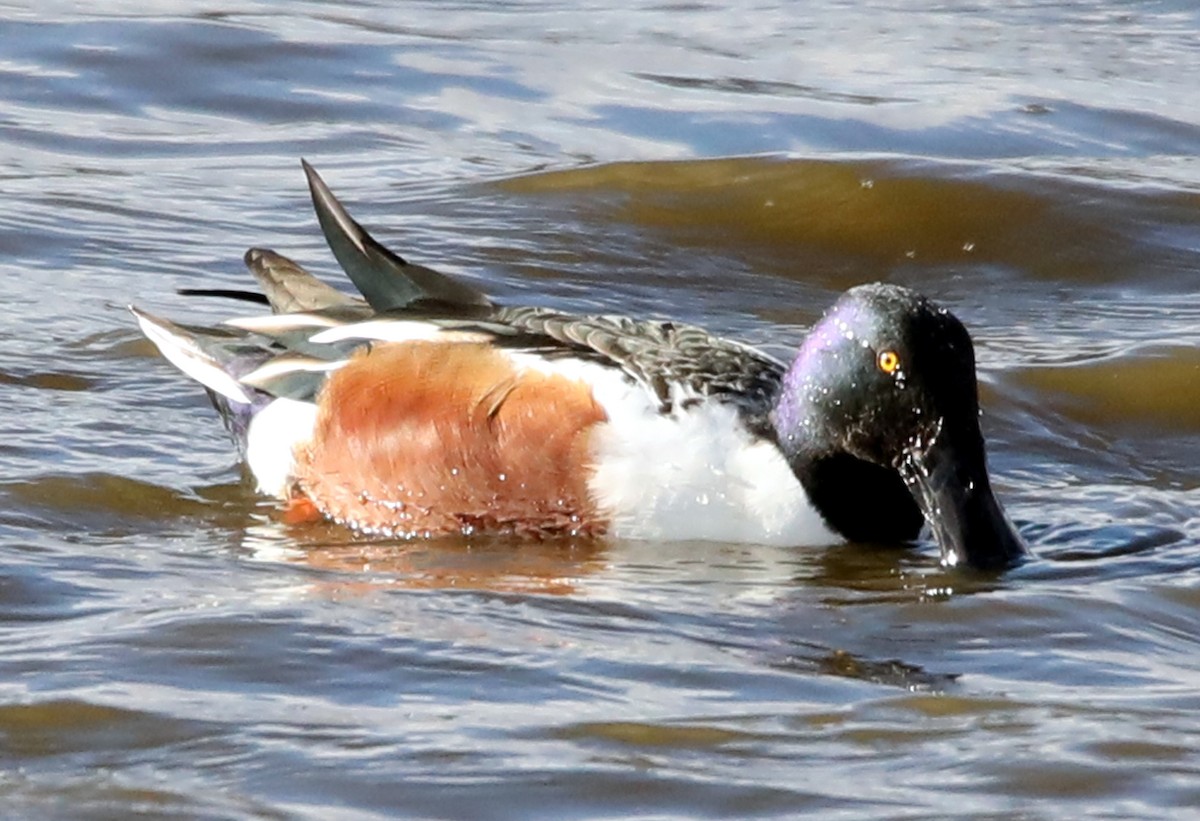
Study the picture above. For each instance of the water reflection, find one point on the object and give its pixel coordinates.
(1126, 391)
(552, 567)
(890, 672)
(876, 214)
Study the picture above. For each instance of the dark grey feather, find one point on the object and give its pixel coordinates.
(658, 354)
(289, 288)
(385, 280)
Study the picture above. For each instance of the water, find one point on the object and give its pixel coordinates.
(171, 649)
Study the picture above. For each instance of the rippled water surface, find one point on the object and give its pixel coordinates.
(170, 649)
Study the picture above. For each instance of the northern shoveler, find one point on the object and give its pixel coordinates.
(426, 409)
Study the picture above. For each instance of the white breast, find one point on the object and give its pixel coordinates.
(700, 475)
(692, 474)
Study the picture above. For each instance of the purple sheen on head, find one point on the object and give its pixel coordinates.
(837, 327)
(821, 350)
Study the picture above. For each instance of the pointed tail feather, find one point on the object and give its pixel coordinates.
(289, 288)
(185, 351)
(386, 280)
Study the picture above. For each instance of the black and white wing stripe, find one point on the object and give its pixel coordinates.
(675, 362)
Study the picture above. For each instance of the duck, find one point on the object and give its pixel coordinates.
(423, 408)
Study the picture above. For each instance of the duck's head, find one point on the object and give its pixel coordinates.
(887, 378)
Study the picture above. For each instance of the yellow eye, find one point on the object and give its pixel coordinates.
(889, 361)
